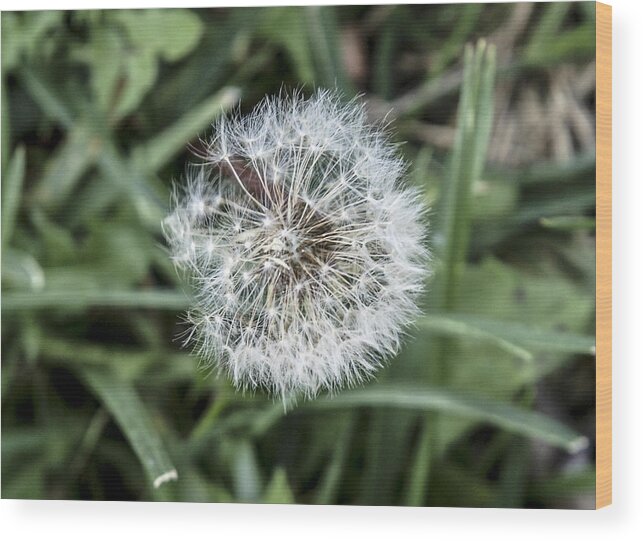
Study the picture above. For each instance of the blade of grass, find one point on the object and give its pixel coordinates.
(384, 56)
(475, 117)
(91, 201)
(513, 476)
(329, 484)
(580, 167)
(245, 473)
(11, 190)
(129, 364)
(65, 168)
(412, 103)
(474, 122)
(589, 10)
(582, 200)
(389, 435)
(515, 338)
(254, 423)
(572, 45)
(278, 489)
(449, 326)
(506, 416)
(5, 124)
(209, 418)
(130, 179)
(419, 471)
(158, 151)
(324, 37)
(567, 485)
(83, 452)
(535, 338)
(469, 15)
(220, 35)
(569, 223)
(51, 105)
(79, 300)
(287, 27)
(548, 26)
(543, 50)
(21, 270)
(123, 403)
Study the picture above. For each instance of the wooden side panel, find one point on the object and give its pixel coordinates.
(603, 255)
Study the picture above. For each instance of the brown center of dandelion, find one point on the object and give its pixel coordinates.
(300, 239)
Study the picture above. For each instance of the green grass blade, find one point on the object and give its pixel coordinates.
(475, 117)
(329, 484)
(287, 27)
(474, 122)
(566, 485)
(450, 326)
(11, 190)
(160, 150)
(389, 434)
(548, 26)
(534, 338)
(21, 270)
(515, 338)
(159, 299)
(122, 401)
(512, 476)
(576, 44)
(514, 419)
(580, 201)
(419, 471)
(383, 56)
(49, 102)
(245, 473)
(5, 125)
(127, 177)
(569, 223)
(550, 43)
(459, 34)
(65, 168)
(324, 36)
(580, 167)
(484, 109)
(150, 366)
(221, 35)
(278, 489)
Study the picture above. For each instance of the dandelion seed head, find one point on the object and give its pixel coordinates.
(305, 250)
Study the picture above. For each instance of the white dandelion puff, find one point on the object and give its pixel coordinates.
(305, 251)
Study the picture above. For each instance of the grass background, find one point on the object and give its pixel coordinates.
(491, 401)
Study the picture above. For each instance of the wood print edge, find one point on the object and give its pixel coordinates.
(603, 255)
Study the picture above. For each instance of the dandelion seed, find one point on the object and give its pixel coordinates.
(305, 251)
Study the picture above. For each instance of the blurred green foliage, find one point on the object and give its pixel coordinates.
(491, 402)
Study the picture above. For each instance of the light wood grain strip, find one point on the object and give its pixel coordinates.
(603, 255)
